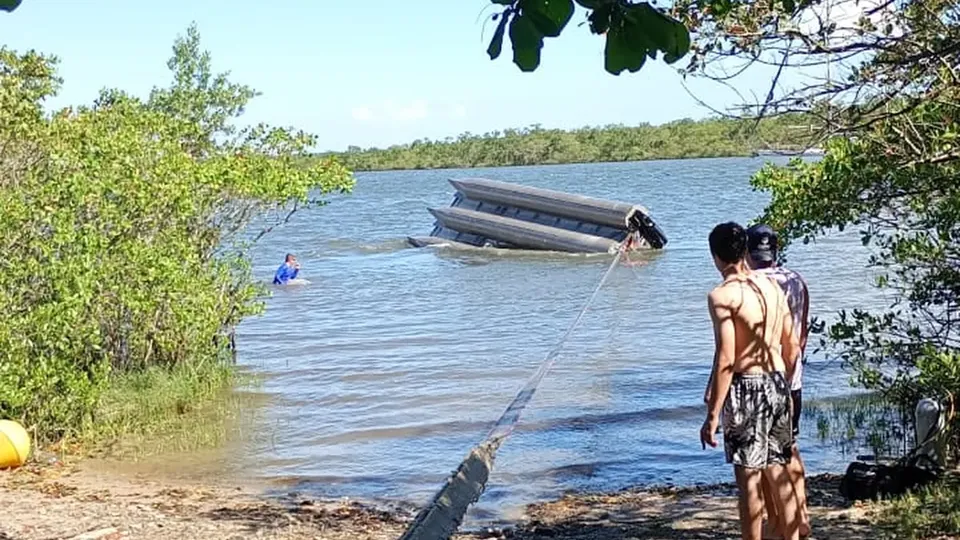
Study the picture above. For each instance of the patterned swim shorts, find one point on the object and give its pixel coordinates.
(757, 420)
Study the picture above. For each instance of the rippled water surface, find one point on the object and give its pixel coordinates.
(382, 373)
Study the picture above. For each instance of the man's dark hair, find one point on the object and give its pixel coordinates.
(289, 256)
(728, 241)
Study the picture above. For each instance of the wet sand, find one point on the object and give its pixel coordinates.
(78, 502)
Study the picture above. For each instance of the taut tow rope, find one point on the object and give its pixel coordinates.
(440, 519)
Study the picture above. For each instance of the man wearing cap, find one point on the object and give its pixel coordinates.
(762, 258)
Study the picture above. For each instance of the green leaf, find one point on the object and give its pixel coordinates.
(550, 16)
(649, 22)
(600, 18)
(651, 29)
(503, 2)
(682, 36)
(590, 4)
(496, 44)
(9, 5)
(789, 6)
(527, 41)
(622, 52)
(720, 8)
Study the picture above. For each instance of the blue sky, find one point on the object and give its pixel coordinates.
(392, 73)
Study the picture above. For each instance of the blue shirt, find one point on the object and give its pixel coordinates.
(284, 274)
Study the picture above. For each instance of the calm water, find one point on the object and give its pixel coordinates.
(392, 364)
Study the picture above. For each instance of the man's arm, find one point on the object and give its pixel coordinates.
(725, 335)
(805, 330)
(789, 342)
(713, 369)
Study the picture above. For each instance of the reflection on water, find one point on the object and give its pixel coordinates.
(200, 446)
(382, 373)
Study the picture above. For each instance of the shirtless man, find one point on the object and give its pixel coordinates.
(756, 352)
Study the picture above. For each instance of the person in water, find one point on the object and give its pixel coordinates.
(762, 247)
(756, 351)
(287, 271)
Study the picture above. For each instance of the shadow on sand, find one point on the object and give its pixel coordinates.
(699, 513)
(708, 513)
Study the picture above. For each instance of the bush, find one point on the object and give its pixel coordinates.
(122, 231)
(933, 512)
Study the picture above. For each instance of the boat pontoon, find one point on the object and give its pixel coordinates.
(487, 213)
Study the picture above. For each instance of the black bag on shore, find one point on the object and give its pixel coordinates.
(872, 481)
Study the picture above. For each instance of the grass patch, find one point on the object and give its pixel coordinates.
(932, 512)
(862, 422)
(160, 410)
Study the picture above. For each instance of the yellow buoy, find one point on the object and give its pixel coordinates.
(14, 444)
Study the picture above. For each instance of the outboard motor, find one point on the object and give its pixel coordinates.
(929, 422)
(650, 231)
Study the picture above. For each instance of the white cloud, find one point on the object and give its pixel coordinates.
(401, 113)
(458, 111)
(362, 114)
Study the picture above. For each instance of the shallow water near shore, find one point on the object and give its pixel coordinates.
(380, 375)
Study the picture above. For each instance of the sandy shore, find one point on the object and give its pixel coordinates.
(60, 501)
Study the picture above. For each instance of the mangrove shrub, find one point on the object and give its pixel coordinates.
(124, 229)
(715, 137)
(888, 107)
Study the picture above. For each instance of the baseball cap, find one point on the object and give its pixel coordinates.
(762, 243)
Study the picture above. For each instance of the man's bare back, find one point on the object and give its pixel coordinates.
(762, 325)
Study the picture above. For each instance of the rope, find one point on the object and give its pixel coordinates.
(442, 516)
(508, 420)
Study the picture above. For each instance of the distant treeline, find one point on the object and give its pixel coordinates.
(537, 146)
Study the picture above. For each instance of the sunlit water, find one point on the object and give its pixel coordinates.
(381, 374)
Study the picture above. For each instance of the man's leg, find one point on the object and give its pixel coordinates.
(795, 467)
(798, 478)
(751, 507)
(786, 499)
(772, 527)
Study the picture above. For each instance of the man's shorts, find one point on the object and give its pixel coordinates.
(797, 399)
(757, 420)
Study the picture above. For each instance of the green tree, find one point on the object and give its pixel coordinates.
(887, 116)
(534, 145)
(124, 230)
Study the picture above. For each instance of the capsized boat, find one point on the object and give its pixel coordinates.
(488, 213)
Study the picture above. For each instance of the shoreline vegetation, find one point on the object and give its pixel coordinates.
(534, 145)
(125, 224)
